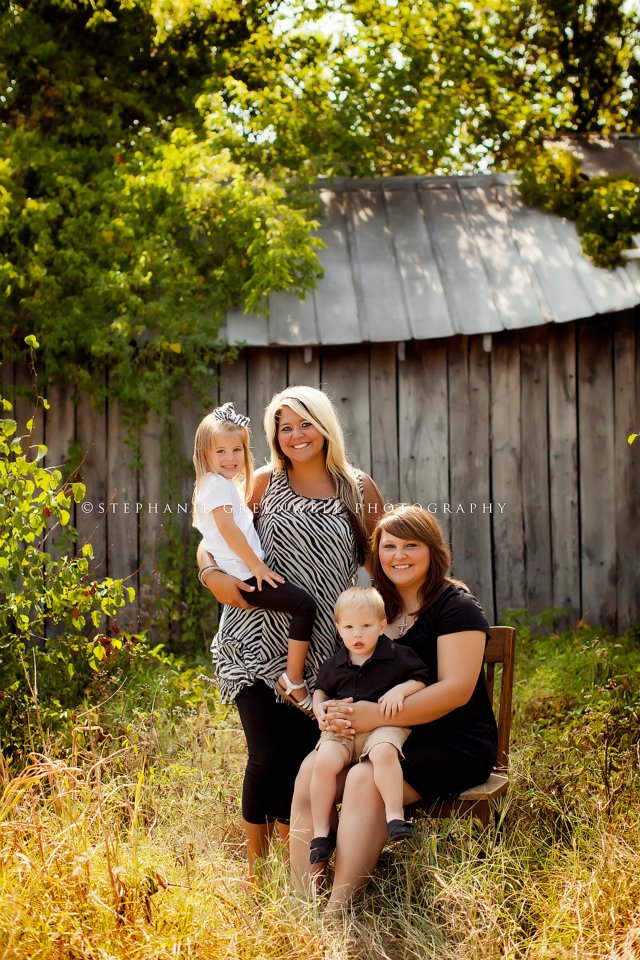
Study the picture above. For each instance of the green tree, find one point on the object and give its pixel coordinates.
(127, 229)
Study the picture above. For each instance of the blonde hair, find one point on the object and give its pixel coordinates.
(359, 597)
(316, 407)
(210, 427)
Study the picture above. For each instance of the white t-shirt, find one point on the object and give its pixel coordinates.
(216, 491)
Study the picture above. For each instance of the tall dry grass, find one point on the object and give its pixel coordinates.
(125, 850)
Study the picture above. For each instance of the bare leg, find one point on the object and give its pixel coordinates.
(332, 757)
(257, 835)
(361, 835)
(303, 875)
(387, 774)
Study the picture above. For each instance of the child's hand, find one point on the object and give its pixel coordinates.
(391, 702)
(320, 714)
(262, 572)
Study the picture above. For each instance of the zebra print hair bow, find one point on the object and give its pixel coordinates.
(227, 412)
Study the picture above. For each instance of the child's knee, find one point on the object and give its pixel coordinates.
(384, 753)
(331, 758)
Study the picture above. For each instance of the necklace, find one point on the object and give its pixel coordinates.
(403, 626)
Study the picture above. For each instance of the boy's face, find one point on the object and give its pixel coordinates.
(360, 628)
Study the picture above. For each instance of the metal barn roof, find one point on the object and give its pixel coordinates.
(424, 257)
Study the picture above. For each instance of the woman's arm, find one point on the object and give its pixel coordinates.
(226, 589)
(460, 658)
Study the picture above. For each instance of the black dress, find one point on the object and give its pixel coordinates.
(456, 751)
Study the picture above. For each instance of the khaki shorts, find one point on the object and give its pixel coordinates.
(360, 747)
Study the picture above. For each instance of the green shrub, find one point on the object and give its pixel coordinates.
(53, 619)
(606, 209)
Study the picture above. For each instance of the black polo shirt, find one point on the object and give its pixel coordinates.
(388, 665)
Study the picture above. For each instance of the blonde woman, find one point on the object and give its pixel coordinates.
(314, 512)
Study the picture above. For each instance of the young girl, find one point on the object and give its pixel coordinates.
(222, 458)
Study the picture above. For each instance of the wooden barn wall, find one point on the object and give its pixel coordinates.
(517, 443)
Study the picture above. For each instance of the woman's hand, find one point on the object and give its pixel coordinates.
(227, 589)
(349, 718)
(335, 718)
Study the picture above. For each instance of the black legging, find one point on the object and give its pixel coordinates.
(286, 598)
(279, 736)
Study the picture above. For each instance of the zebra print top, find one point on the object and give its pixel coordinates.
(310, 543)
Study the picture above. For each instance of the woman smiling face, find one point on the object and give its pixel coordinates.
(404, 562)
(300, 441)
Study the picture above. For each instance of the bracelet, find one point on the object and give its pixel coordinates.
(205, 570)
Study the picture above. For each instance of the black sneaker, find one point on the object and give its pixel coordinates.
(399, 829)
(321, 848)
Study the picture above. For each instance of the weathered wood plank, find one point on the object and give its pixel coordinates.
(91, 516)
(234, 383)
(563, 470)
(384, 420)
(59, 425)
(59, 430)
(423, 442)
(627, 470)
(6, 382)
(122, 522)
(470, 467)
(151, 500)
(596, 430)
(535, 471)
(304, 367)
(345, 377)
(267, 374)
(506, 475)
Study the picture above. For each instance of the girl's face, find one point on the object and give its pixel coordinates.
(299, 440)
(405, 562)
(226, 454)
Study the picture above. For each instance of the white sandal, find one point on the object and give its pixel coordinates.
(306, 705)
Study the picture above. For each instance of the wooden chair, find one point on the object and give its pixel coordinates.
(478, 800)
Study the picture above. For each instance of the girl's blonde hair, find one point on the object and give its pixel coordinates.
(206, 433)
(316, 407)
(357, 598)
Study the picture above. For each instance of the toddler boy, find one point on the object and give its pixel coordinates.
(371, 667)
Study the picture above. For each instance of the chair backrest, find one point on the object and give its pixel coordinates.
(501, 649)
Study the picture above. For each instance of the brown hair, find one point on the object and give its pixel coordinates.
(413, 523)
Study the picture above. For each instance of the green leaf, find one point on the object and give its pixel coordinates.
(79, 491)
(632, 437)
(31, 342)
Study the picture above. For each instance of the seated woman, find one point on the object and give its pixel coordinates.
(453, 743)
